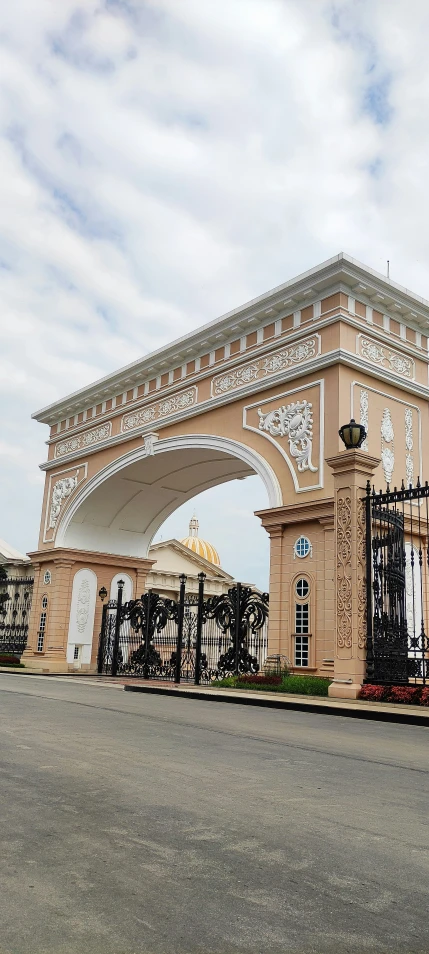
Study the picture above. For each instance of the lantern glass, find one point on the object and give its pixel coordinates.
(352, 434)
(102, 593)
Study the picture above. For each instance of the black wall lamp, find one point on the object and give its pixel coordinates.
(352, 435)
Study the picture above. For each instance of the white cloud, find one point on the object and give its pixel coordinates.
(162, 162)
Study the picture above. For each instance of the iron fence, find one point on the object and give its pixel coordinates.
(191, 639)
(397, 585)
(15, 606)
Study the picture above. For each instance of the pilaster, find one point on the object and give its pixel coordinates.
(351, 469)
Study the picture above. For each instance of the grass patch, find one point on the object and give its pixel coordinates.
(300, 685)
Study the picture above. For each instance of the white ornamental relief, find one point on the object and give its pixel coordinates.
(81, 441)
(82, 611)
(262, 367)
(153, 412)
(409, 444)
(386, 357)
(364, 415)
(387, 453)
(236, 378)
(294, 421)
(61, 490)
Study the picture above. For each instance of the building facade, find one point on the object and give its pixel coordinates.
(261, 390)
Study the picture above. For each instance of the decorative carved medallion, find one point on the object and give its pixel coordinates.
(294, 421)
(61, 490)
(387, 453)
(364, 415)
(409, 460)
(84, 440)
(82, 611)
(386, 357)
(153, 412)
(271, 364)
(344, 581)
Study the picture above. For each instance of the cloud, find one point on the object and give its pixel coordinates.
(162, 162)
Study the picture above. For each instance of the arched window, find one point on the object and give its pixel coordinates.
(42, 625)
(302, 621)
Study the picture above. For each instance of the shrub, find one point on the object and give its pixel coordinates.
(305, 685)
(259, 680)
(424, 698)
(409, 694)
(373, 693)
(8, 659)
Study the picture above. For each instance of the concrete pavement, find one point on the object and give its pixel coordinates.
(140, 823)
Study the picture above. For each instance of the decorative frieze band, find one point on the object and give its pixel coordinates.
(84, 440)
(386, 357)
(160, 409)
(272, 363)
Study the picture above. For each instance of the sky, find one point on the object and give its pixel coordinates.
(164, 161)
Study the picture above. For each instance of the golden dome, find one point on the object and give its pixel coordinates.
(201, 547)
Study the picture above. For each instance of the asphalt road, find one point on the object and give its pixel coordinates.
(133, 823)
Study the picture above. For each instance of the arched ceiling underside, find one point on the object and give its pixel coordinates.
(123, 513)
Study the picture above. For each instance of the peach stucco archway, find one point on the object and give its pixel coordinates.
(121, 508)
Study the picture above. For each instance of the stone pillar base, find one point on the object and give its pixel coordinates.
(341, 690)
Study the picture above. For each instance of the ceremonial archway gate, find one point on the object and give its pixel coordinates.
(262, 390)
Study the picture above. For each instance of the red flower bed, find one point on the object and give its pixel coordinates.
(373, 693)
(424, 698)
(6, 658)
(260, 680)
(410, 695)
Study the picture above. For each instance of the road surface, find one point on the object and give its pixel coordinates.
(136, 824)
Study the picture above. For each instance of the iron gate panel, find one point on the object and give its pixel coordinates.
(191, 639)
(15, 605)
(397, 527)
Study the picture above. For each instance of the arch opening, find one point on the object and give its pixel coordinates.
(121, 509)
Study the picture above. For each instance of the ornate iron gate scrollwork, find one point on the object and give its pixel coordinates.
(15, 605)
(192, 638)
(242, 613)
(397, 557)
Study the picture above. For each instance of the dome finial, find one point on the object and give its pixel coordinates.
(193, 526)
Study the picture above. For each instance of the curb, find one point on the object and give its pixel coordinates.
(335, 709)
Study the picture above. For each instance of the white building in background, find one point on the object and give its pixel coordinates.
(16, 564)
(190, 556)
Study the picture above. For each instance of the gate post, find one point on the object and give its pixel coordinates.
(118, 622)
(102, 640)
(201, 578)
(352, 469)
(178, 666)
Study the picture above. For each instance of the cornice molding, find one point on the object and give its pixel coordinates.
(270, 347)
(338, 356)
(70, 556)
(311, 285)
(296, 513)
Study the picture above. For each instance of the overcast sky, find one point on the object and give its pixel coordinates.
(163, 161)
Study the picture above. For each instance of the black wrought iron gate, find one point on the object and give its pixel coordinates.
(192, 639)
(15, 605)
(397, 557)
